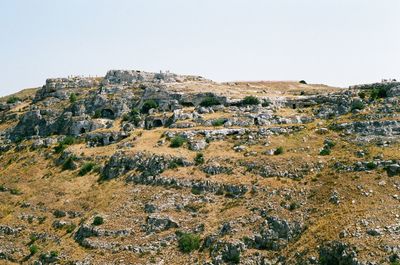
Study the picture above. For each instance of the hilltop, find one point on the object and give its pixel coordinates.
(160, 168)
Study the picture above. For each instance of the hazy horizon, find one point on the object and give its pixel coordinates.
(338, 43)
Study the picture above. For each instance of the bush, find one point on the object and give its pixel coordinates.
(72, 98)
(33, 249)
(148, 105)
(97, 114)
(278, 151)
(329, 143)
(133, 116)
(69, 140)
(15, 191)
(371, 165)
(98, 220)
(303, 82)
(250, 100)
(218, 122)
(69, 163)
(59, 213)
(177, 141)
(13, 99)
(86, 168)
(199, 159)
(357, 105)
(210, 101)
(188, 242)
(362, 95)
(325, 152)
(70, 228)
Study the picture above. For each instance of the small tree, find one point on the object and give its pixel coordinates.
(303, 82)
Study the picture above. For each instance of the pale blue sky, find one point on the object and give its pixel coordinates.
(338, 42)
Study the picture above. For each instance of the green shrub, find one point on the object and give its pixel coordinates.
(218, 122)
(2, 188)
(279, 151)
(250, 100)
(33, 249)
(53, 254)
(329, 143)
(70, 228)
(303, 82)
(72, 98)
(86, 168)
(188, 242)
(210, 101)
(97, 114)
(177, 141)
(58, 213)
(233, 258)
(325, 152)
(293, 206)
(371, 165)
(69, 163)
(357, 105)
(69, 140)
(199, 159)
(15, 191)
(362, 95)
(98, 220)
(13, 99)
(148, 105)
(133, 116)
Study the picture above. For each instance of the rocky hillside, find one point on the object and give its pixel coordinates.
(159, 168)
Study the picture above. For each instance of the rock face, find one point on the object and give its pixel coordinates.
(157, 223)
(338, 253)
(128, 77)
(146, 164)
(275, 233)
(61, 87)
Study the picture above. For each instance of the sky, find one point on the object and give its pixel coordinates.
(335, 42)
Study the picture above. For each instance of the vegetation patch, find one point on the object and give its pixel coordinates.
(188, 242)
(177, 141)
(210, 101)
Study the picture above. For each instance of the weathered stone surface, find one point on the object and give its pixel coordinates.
(146, 164)
(336, 252)
(158, 223)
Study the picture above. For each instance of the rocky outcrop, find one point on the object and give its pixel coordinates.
(61, 88)
(196, 186)
(368, 128)
(129, 77)
(336, 252)
(144, 163)
(158, 223)
(104, 138)
(275, 234)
